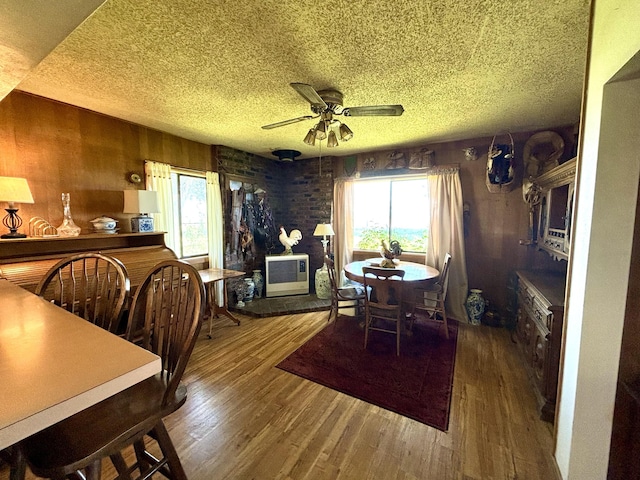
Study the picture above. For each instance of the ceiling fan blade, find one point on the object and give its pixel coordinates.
(373, 110)
(288, 122)
(310, 95)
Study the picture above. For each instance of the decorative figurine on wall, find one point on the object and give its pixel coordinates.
(470, 154)
(421, 159)
(396, 160)
(500, 175)
(369, 163)
(289, 240)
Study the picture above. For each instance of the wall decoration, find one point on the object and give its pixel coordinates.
(396, 160)
(421, 159)
(500, 174)
(470, 154)
(369, 163)
(134, 178)
(350, 166)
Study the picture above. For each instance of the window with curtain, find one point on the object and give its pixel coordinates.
(189, 214)
(391, 209)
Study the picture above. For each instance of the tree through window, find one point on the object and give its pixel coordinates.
(392, 210)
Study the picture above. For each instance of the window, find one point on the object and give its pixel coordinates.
(392, 210)
(190, 214)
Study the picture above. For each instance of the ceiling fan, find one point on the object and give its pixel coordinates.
(326, 104)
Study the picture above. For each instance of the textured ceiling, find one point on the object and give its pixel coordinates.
(215, 72)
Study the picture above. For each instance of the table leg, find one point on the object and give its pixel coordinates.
(214, 308)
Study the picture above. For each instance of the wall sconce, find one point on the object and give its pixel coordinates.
(14, 190)
(141, 202)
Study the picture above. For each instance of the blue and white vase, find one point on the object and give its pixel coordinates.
(258, 281)
(249, 289)
(475, 305)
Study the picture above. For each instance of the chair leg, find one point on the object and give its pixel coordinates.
(366, 329)
(444, 319)
(120, 465)
(14, 456)
(169, 452)
(94, 470)
(398, 325)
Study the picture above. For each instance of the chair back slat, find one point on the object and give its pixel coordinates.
(166, 314)
(92, 286)
(443, 279)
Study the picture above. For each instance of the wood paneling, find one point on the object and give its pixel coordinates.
(60, 148)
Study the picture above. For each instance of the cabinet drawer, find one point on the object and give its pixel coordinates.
(542, 315)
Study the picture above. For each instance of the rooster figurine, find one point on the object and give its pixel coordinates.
(289, 240)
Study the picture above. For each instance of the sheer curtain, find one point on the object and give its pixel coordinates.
(343, 224)
(215, 229)
(446, 231)
(158, 178)
(447, 235)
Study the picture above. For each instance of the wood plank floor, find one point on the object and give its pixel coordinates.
(246, 419)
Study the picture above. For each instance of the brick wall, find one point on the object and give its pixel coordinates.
(299, 193)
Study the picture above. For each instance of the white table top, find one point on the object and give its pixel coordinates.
(54, 364)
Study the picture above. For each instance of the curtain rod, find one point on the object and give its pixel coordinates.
(182, 169)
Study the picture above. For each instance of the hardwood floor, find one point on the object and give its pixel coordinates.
(246, 419)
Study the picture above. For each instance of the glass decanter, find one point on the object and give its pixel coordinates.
(68, 227)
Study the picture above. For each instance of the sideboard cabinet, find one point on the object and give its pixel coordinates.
(540, 318)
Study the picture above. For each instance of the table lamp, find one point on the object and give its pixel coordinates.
(323, 287)
(323, 230)
(14, 190)
(141, 202)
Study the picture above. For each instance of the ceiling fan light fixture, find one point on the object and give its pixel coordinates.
(321, 130)
(310, 138)
(345, 133)
(332, 140)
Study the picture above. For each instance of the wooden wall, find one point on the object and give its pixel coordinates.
(59, 148)
(497, 222)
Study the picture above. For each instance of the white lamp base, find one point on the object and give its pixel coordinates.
(323, 286)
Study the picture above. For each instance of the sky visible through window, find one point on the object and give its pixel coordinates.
(392, 210)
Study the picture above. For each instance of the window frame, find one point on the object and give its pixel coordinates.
(177, 220)
(390, 179)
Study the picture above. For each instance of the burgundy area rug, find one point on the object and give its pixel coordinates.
(417, 384)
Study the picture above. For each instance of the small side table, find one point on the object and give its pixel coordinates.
(323, 287)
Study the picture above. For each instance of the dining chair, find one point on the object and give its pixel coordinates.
(354, 295)
(169, 304)
(383, 302)
(92, 286)
(431, 299)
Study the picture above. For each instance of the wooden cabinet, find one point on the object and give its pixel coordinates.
(540, 317)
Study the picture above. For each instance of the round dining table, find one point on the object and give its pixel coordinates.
(416, 273)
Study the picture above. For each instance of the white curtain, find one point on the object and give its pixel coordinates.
(447, 235)
(215, 229)
(158, 178)
(343, 224)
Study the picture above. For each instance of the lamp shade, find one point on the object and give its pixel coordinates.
(323, 229)
(15, 190)
(140, 201)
